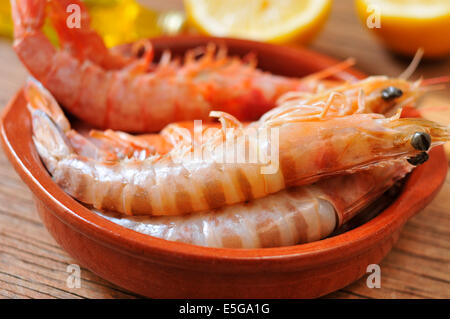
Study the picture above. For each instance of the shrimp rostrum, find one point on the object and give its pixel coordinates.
(179, 182)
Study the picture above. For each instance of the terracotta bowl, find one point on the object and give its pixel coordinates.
(158, 268)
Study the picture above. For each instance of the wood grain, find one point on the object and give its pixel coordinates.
(32, 265)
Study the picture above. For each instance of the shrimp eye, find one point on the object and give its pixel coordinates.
(418, 159)
(421, 141)
(390, 93)
(140, 52)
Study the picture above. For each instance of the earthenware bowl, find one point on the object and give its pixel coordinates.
(158, 268)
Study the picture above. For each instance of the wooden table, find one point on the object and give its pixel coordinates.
(32, 265)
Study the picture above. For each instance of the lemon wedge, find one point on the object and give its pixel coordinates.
(276, 21)
(407, 25)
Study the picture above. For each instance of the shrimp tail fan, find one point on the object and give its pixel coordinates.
(48, 124)
(49, 139)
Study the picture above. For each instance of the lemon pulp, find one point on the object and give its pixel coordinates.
(406, 26)
(264, 20)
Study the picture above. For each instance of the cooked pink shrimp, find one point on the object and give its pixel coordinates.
(111, 90)
(179, 183)
(294, 216)
(106, 146)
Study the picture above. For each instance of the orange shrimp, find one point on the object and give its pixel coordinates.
(178, 183)
(109, 89)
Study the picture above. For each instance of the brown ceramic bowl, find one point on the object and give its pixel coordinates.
(158, 268)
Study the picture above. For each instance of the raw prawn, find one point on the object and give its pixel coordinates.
(290, 217)
(177, 183)
(110, 89)
(293, 216)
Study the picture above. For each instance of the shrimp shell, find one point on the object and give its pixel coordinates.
(161, 185)
(108, 89)
(295, 216)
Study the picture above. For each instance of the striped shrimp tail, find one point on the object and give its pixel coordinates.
(50, 141)
(40, 99)
(49, 124)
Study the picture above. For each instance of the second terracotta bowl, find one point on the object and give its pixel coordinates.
(158, 268)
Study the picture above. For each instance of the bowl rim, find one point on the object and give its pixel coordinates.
(425, 180)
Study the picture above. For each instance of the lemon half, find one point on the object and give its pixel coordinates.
(407, 25)
(276, 21)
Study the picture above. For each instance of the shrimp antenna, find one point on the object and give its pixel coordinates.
(413, 65)
(432, 84)
(442, 80)
(334, 69)
(431, 88)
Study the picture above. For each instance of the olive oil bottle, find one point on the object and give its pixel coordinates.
(6, 25)
(121, 21)
(117, 21)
